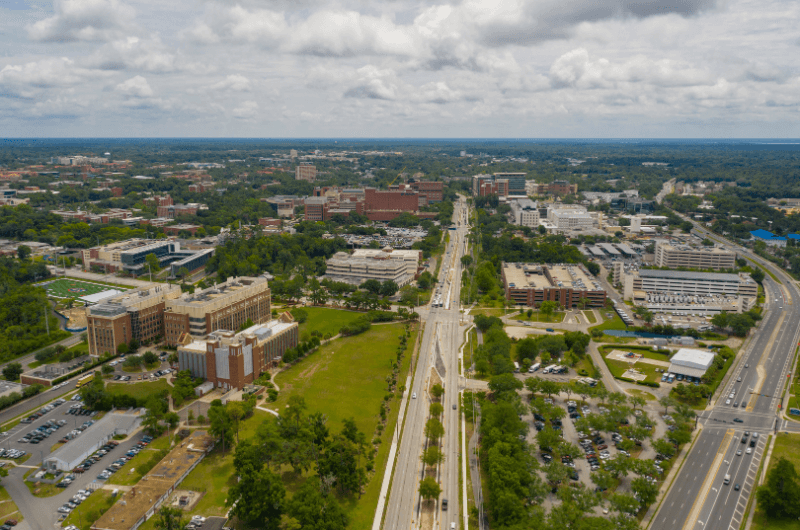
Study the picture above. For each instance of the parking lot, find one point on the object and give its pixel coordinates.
(121, 376)
(39, 432)
(595, 450)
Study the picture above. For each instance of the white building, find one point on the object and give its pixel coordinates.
(638, 284)
(399, 266)
(525, 213)
(693, 363)
(570, 218)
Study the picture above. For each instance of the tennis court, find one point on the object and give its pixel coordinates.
(70, 288)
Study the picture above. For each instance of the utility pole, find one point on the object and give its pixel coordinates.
(46, 321)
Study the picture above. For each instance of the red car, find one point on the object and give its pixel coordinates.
(601, 447)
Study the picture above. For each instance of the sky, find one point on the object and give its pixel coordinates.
(400, 68)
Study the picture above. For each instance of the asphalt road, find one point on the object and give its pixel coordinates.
(442, 329)
(699, 499)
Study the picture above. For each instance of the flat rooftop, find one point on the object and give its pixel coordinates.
(221, 290)
(156, 484)
(690, 275)
(532, 276)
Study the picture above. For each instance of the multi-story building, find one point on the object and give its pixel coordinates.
(201, 187)
(557, 187)
(381, 205)
(637, 284)
(135, 314)
(158, 200)
(483, 185)
(525, 212)
(305, 171)
(516, 182)
(678, 256)
(568, 284)
(224, 306)
(233, 360)
(429, 192)
(570, 218)
(172, 211)
(130, 256)
(399, 266)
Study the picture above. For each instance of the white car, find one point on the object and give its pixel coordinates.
(413, 395)
(749, 450)
(727, 401)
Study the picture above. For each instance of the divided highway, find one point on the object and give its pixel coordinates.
(699, 498)
(440, 342)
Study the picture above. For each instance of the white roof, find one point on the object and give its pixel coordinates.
(689, 358)
(97, 297)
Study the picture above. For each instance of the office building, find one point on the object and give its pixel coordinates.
(570, 218)
(305, 171)
(483, 185)
(429, 192)
(678, 256)
(158, 200)
(524, 212)
(400, 266)
(226, 305)
(130, 256)
(557, 187)
(516, 182)
(638, 284)
(173, 211)
(233, 360)
(132, 315)
(570, 285)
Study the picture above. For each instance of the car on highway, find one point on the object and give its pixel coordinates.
(738, 420)
(739, 380)
(727, 401)
(413, 395)
(739, 452)
(736, 487)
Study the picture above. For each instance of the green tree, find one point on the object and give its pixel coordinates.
(432, 456)
(645, 490)
(317, 294)
(389, 288)
(436, 409)
(23, 252)
(757, 275)
(183, 272)
(504, 383)
(220, 424)
(258, 498)
(169, 519)
(150, 358)
(12, 371)
(152, 260)
(429, 489)
(372, 286)
(466, 260)
(624, 503)
(778, 496)
(314, 510)
(548, 307)
(434, 429)
(437, 390)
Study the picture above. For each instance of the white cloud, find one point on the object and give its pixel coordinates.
(147, 55)
(136, 87)
(247, 110)
(83, 20)
(235, 83)
(29, 79)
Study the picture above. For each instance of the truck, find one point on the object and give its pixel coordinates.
(549, 368)
(84, 380)
(516, 367)
(535, 367)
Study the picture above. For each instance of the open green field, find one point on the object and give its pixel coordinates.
(326, 320)
(344, 378)
(645, 352)
(130, 474)
(141, 390)
(538, 316)
(71, 288)
(489, 311)
(615, 322)
(788, 447)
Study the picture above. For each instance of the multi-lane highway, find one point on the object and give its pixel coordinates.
(440, 342)
(700, 499)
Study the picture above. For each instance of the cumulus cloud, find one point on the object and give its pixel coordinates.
(143, 54)
(247, 110)
(136, 87)
(28, 79)
(235, 83)
(83, 20)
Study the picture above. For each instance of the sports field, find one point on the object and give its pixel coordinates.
(70, 288)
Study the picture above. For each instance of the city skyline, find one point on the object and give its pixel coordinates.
(574, 69)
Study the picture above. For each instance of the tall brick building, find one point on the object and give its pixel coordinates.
(429, 192)
(135, 314)
(305, 171)
(224, 306)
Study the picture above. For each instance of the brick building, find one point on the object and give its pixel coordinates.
(233, 360)
(158, 200)
(305, 171)
(172, 211)
(135, 314)
(568, 284)
(201, 187)
(224, 306)
(429, 192)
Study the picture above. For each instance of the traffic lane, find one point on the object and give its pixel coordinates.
(34, 403)
(718, 489)
(678, 504)
(721, 511)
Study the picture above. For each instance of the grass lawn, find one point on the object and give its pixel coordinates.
(644, 352)
(641, 393)
(90, 510)
(589, 314)
(490, 311)
(615, 322)
(344, 378)
(618, 368)
(129, 474)
(141, 390)
(8, 507)
(538, 316)
(326, 320)
(787, 446)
